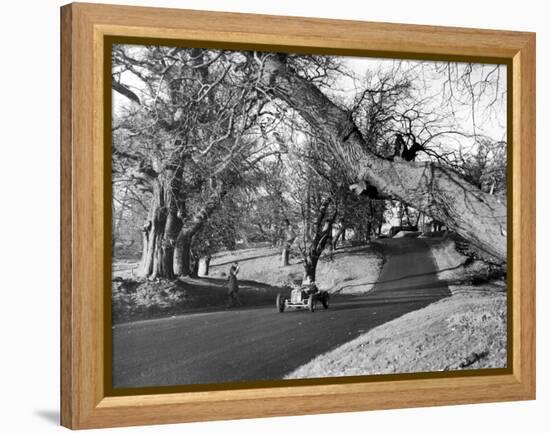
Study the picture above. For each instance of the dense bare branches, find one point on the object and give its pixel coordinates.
(438, 191)
(218, 146)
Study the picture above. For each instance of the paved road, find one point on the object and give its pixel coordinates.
(262, 344)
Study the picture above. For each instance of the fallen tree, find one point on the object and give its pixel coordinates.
(435, 190)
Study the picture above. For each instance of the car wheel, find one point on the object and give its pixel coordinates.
(280, 303)
(324, 300)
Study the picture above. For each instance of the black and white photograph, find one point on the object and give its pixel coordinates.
(281, 216)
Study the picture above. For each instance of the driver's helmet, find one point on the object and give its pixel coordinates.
(310, 288)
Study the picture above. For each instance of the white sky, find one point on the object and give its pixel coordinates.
(491, 124)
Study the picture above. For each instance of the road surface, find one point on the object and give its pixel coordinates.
(262, 344)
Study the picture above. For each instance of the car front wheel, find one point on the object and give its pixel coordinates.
(280, 303)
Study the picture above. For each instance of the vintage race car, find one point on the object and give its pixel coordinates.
(304, 297)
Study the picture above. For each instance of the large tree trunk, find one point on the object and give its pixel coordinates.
(310, 269)
(151, 267)
(182, 254)
(322, 236)
(171, 231)
(144, 244)
(436, 190)
(164, 225)
(154, 230)
(184, 240)
(158, 246)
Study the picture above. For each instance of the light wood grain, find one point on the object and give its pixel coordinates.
(67, 385)
(83, 400)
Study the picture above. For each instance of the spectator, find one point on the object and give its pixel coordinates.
(233, 286)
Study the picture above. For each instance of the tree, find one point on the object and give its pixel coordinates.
(485, 166)
(438, 191)
(321, 235)
(194, 128)
(317, 190)
(218, 233)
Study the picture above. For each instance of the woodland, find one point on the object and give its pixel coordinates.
(215, 150)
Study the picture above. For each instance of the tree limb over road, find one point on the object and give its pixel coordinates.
(435, 190)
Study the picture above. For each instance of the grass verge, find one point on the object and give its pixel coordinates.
(349, 270)
(465, 331)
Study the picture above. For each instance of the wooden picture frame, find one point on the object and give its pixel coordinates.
(85, 216)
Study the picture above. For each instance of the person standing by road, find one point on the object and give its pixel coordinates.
(233, 286)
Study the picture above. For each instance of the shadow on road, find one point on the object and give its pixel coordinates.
(262, 344)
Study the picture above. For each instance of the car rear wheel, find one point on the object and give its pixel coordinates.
(324, 300)
(280, 303)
